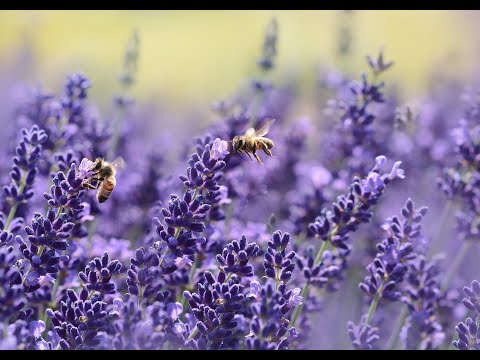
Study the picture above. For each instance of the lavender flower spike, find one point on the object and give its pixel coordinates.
(468, 331)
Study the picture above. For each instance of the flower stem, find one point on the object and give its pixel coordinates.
(140, 295)
(455, 264)
(298, 309)
(59, 212)
(437, 242)
(14, 208)
(191, 274)
(195, 193)
(277, 277)
(177, 232)
(392, 342)
(21, 188)
(373, 305)
(194, 332)
(40, 249)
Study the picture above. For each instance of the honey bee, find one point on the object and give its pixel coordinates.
(254, 140)
(104, 175)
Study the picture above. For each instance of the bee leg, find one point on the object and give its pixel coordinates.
(266, 150)
(256, 156)
(88, 183)
(246, 152)
(89, 186)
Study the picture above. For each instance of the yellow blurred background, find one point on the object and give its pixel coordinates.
(196, 57)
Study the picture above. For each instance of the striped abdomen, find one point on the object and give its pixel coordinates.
(106, 189)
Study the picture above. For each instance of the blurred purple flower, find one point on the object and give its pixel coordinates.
(84, 170)
(219, 149)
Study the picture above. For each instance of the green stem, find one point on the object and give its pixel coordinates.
(437, 242)
(39, 252)
(90, 295)
(195, 193)
(40, 249)
(177, 231)
(14, 208)
(455, 264)
(318, 259)
(319, 256)
(277, 277)
(191, 274)
(46, 321)
(59, 212)
(194, 332)
(21, 188)
(373, 305)
(392, 341)
(140, 295)
(52, 303)
(10, 217)
(298, 309)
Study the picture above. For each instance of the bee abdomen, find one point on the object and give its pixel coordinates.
(106, 189)
(109, 184)
(269, 143)
(103, 196)
(264, 143)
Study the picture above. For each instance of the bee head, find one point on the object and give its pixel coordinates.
(97, 165)
(237, 143)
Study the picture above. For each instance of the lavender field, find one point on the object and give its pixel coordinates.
(342, 217)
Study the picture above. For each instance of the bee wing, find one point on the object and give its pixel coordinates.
(118, 163)
(250, 132)
(263, 130)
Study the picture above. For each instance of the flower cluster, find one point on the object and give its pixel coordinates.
(228, 254)
(423, 329)
(270, 326)
(214, 307)
(98, 275)
(388, 270)
(348, 212)
(79, 320)
(22, 175)
(468, 334)
(235, 257)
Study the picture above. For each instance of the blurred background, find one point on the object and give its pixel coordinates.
(189, 59)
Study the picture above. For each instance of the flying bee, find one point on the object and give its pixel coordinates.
(104, 175)
(254, 140)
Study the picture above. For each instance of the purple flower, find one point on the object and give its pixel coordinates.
(468, 331)
(295, 299)
(255, 289)
(36, 328)
(117, 307)
(396, 172)
(78, 320)
(183, 262)
(174, 310)
(363, 336)
(219, 149)
(269, 49)
(378, 65)
(97, 275)
(389, 267)
(214, 306)
(235, 257)
(84, 170)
